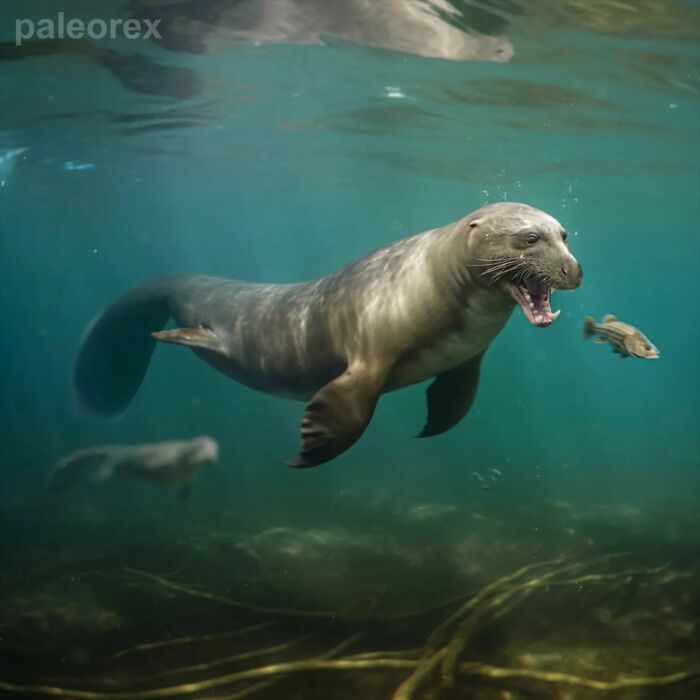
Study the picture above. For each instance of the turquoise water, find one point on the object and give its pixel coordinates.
(279, 162)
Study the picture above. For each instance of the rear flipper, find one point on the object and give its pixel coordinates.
(93, 465)
(117, 346)
(196, 337)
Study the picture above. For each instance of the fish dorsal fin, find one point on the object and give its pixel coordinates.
(608, 318)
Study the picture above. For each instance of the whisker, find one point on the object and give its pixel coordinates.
(516, 269)
(507, 268)
(498, 271)
(514, 265)
(486, 263)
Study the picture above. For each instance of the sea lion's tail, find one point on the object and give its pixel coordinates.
(117, 346)
(94, 464)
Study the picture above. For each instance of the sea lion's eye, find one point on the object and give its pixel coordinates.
(564, 236)
(532, 238)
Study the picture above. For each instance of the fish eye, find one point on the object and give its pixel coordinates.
(647, 347)
(532, 238)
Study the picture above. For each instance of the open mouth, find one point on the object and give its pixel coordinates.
(534, 296)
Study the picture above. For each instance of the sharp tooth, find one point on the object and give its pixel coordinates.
(555, 314)
(538, 318)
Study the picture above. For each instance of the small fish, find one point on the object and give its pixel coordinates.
(495, 471)
(476, 475)
(626, 340)
(168, 463)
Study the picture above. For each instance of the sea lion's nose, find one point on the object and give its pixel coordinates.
(572, 273)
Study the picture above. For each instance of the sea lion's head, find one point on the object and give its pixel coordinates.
(524, 253)
(201, 451)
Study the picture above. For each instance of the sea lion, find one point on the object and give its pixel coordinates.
(456, 31)
(424, 306)
(171, 463)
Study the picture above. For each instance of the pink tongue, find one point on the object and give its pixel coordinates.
(536, 303)
(540, 309)
(533, 287)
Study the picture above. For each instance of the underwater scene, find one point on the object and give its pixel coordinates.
(350, 349)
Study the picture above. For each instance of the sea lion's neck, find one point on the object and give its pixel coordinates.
(457, 273)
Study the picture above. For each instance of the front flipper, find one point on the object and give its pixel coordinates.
(337, 415)
(196, 337)
(450, 397)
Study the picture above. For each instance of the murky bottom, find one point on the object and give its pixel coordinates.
(391, 602)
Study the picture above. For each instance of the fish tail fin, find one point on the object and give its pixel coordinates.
(117, 346)
(92, 464)
(588, 324)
